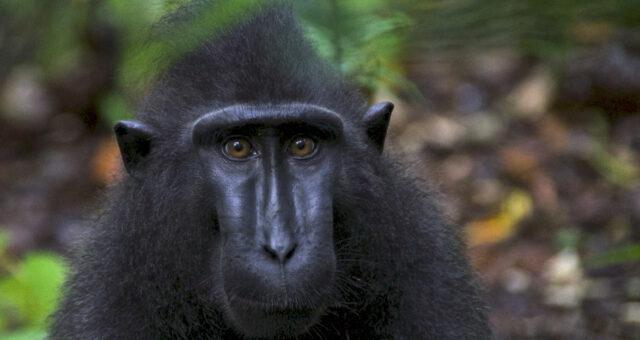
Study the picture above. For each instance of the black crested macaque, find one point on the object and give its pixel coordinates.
(259, 204)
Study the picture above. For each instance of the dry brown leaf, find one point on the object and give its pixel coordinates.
(106, 161)
(503, 224)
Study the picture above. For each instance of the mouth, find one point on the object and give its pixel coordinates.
(277, 319)
(276, 308)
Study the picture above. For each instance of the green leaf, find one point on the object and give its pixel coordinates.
(616, 256)
(114, 107)
(144, 59)
(25, 334)
(34, 288)
(4, 241)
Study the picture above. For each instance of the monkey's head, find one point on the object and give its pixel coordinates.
(270, 174)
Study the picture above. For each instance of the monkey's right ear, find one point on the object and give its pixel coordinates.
(134, 141)
(377, 121)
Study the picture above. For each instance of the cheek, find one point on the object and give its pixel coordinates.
(211, 279)
(313, 206)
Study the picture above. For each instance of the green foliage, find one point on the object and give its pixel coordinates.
(25, 334)
(568, 239)
(29, 291)
(365, 39)
(114, 108)
(57, 43)
(616, 256)
(143, 59)
(616, 169)
(540, 28)
(51, 37)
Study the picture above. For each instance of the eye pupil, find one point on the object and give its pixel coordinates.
(238, 148)
(302, 146)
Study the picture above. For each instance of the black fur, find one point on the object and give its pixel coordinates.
(145, 271)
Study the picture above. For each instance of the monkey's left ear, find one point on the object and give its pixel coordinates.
(135, 141)
(376, 120)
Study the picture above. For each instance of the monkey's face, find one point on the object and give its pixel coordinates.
(270, 175)
(273, 179)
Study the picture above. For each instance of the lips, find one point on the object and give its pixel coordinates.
(283, 318)
(288, 306)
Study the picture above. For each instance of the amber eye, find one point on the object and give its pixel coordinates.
(302, 146)
(238, 148)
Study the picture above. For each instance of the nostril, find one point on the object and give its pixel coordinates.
(289, 254)
(272, 253)
(282, 253)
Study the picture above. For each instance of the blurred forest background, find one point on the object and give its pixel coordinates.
(526, 114)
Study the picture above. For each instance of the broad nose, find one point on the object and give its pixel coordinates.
(280, 250)
(279, 242)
